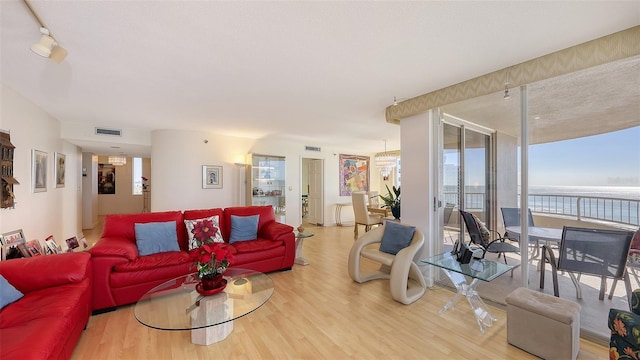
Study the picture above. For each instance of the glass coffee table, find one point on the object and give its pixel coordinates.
(176, 305)
(477, 269)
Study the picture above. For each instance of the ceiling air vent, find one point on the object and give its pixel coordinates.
(110, 132)
(312, 148)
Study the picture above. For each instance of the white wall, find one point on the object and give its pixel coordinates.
(178, 157)
(57, 211)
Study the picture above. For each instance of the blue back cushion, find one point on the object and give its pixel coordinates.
(8, 293)
(396, 237)
(156, 237)
(244, 228)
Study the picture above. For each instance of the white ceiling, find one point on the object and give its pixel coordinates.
(320, 73)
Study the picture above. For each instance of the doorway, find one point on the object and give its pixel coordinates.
(312, 191)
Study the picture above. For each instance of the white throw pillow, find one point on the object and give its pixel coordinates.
(190, 224)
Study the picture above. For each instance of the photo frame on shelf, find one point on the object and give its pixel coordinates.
(13, 237)
(52, 245)
(34, 247)
(39, 170)
(10, 252)
(22, 247)
(72, 243)
(211, 177)
(59, 169)
(354, 174)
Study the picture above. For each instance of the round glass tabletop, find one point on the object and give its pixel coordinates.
(176, 305)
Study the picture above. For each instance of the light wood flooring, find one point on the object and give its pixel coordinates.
(318, 312)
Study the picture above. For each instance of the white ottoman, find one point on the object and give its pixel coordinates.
(543, 325)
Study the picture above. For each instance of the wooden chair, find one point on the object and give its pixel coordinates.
(361, 213)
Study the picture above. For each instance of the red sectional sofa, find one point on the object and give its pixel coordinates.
(46, 323)
(121, 276)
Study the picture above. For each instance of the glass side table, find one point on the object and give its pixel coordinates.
(483, 269)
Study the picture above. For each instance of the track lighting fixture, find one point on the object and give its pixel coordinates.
(506, 91)
(44, 45)
(47, 46)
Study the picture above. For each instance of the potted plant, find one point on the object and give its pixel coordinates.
(211, 259)
(392, 201)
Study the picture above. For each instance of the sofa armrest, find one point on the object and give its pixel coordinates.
(41, 272)
(115, 246)
(274, 230)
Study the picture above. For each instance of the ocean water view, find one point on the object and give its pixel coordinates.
(619, 204)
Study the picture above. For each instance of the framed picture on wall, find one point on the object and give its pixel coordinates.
(211, 177)
(354, 174)
(38, 170)
(106, 179)
(59, 169)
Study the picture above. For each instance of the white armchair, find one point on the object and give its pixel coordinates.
(405, 278)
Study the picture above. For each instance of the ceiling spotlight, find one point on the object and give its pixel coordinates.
(44, 45)
(395, 102)
(506, 91)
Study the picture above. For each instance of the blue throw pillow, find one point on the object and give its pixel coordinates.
(396, 237)
(244, 228)
(8, 293)
(156, 237)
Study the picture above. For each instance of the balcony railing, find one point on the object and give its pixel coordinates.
(617, 210)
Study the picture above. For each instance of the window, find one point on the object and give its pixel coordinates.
(137, 176)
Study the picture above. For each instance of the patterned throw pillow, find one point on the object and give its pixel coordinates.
(484, 231)
(190, 224)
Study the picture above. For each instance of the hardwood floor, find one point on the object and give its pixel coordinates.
(318, 312)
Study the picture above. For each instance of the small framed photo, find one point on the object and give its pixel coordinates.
(72, 243)
(10, 252)
(211, 177)
(23, 250)
(39, 171)
(13, 237)
(52, 246)
(59, 169)
(34, 248)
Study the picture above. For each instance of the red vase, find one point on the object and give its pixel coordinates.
(210, 283)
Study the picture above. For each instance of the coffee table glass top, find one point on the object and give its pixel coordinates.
(176, 305)
(481, 269)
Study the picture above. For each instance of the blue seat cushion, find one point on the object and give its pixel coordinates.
(396, 237)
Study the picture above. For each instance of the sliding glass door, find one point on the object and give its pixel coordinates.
(466, 175)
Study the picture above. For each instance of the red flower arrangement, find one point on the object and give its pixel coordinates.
(210, 258)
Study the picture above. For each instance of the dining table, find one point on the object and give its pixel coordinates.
(536, 234)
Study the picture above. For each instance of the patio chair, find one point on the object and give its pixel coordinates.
(511, 217)
(596, 252)
(633, 261)
(488, 243)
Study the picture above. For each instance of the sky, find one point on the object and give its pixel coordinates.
(611, 159)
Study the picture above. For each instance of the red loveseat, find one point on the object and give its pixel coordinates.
(121, 276)
(46, 323)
